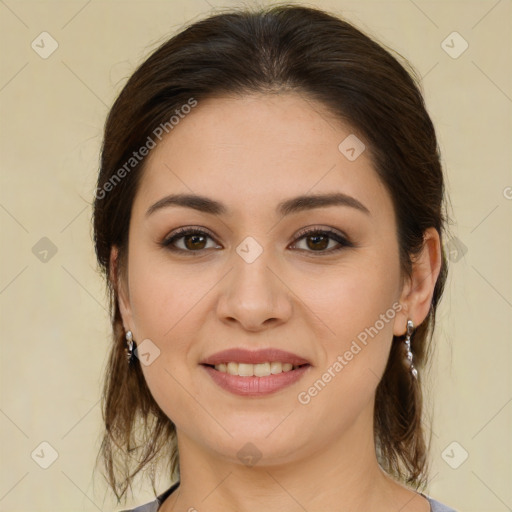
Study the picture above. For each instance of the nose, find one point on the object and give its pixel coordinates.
(254, 296)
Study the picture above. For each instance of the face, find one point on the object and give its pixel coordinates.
(320, 280)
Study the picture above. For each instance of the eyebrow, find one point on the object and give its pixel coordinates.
(287, 207)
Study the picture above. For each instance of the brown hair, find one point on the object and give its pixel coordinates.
(326, 59)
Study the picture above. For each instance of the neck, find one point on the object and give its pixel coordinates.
(340, 476)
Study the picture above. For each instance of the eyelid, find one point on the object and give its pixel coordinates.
(181, 233)
(334, 234)
(322, 229)
(338, 236)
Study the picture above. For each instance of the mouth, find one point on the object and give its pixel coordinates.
(255, 370)
(245, 358)
(252, 385)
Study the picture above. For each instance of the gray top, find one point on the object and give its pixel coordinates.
(153, 506)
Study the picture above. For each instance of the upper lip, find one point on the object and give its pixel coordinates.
(241, 355)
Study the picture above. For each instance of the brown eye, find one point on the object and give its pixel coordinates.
(193, 242)
(187, 240)
(318, 240)
(321, 241)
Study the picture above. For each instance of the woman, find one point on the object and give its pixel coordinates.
(269, 217)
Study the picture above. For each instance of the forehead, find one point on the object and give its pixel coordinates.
(255, 150)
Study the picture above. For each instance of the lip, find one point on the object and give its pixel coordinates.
(240, 355)
(256, 386)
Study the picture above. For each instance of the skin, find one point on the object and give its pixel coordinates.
(251, 153)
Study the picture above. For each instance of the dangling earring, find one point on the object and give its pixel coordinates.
(129, 350)
(410, 328)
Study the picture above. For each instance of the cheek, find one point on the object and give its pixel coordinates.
(358, 304)
(161, 295)
(351, 297)
(166, 301)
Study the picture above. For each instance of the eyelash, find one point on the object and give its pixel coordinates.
(333, 235)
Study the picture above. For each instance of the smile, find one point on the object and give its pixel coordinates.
(256, 370)
(244, 379)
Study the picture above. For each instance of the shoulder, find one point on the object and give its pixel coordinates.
(148, 507)
(436, 506)
(154, 505)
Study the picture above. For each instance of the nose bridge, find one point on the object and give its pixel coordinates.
(253, 295)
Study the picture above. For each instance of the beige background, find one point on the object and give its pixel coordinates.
(54, 322)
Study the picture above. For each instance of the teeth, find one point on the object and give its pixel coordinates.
(245, 370)
(258, 370)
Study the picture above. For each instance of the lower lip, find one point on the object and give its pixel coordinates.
(255, 386)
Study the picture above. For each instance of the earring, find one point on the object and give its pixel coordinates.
(410, 328)
(129, 350)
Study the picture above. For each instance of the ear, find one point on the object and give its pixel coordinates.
(417, 293)
(120, 286)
